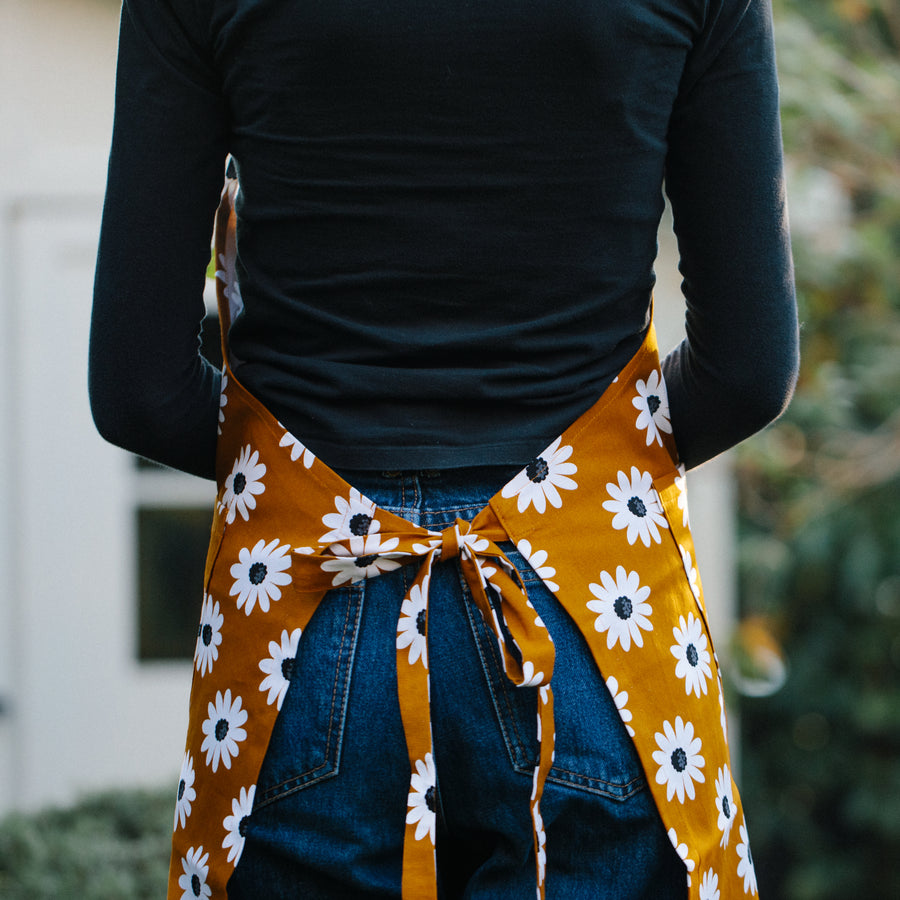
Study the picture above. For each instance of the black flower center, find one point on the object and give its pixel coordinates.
(287, 668)
(242, 826)
(206, 634)
(636, 507)
(429, 798)
(181, 787)
(359, 524)
(363, 562)
(623, 607)
(726, 807)
(221, 729)
(693, 657)
(257, 573)
(537, 470)
(421, 620)
(679, 760)
(653, 404)
(239, 483)
(196, 884)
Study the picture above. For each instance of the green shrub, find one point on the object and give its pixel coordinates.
(114, 846)
(820, 492)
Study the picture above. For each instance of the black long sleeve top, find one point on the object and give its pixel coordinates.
(447, 222)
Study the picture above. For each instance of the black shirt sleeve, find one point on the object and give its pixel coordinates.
(151, 392)
(736, 369)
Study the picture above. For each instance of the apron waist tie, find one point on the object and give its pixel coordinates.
(526, 651)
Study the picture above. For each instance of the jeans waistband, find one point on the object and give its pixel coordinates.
(432, 497)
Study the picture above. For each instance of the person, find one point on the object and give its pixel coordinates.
(450, 466)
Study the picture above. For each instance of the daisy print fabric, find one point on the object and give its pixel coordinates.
(635, 507)
(279, 666)
(690, 651)
(600, 515)
(259, 574)
(541, 481)
(298, 451)
(623, 612)
(209, 635)
(243, 484)
(641, 611)
(652, 403)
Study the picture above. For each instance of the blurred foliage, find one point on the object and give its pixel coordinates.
(110, 847)
(820, 491)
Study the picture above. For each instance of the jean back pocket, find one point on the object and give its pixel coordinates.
(305, 745)
(593, 749)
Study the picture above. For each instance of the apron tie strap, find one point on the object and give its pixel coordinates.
(526, 651)
(450, 539)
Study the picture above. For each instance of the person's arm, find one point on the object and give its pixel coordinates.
(151, 392)
(736, 369)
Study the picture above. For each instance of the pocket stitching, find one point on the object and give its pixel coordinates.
(333, 742)
(516, 745)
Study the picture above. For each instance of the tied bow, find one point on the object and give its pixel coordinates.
(526, 651)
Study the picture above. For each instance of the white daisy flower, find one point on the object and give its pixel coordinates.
(259, 574)
(223, 402)
(367, 557)
(539, 482)
(355, 517)
(530, 678)
(679, 759)
(723, 720)
(691, 571)
(242, 485)
(690, 649)
(298, 450)
(486, 571)
(412, 626)
(186, 792)
(279, 666)
(622, 608)
(709, 887)
(620, 698)
(725, 805)
(635, 506)
(653, 405)
(681, 484)
(223, 729)
(746, 869)
(227, 274)
(235, 825)
(537, 619)
(422, 549)
(422, 802)
(209, 635)
(682, 851)
(471, 544)
(537, 559)
(196, 871)
(541, 833)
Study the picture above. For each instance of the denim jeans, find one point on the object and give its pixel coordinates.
(331, 798)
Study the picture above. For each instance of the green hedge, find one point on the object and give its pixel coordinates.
(820, 491)
(114, 846)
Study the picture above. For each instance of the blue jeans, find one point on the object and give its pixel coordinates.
(330, 805)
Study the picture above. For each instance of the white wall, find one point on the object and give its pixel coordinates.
(80, 711)
(77, 711)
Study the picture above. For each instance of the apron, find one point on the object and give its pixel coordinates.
(602, 517)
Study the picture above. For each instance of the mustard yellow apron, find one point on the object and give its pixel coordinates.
(601, 515)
